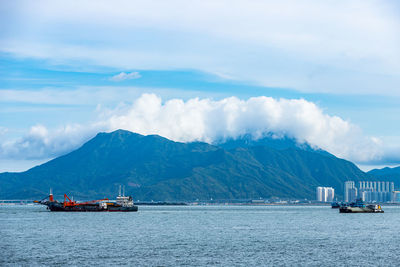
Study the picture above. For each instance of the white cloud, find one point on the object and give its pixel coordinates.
(309, 45)
(3, 130)
(208, 120)
(41, 143)
(91, 95)
(125, 76)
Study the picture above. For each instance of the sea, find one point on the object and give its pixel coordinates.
(223, 235)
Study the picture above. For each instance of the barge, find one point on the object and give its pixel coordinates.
(360, 207)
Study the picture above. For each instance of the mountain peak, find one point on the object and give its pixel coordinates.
(119, 132)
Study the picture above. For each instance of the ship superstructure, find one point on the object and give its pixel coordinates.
(122, 203)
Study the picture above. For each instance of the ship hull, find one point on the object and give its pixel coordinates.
(89, 208)
(123, 209)
(358, 210)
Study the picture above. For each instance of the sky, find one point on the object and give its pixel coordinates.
(322, 72)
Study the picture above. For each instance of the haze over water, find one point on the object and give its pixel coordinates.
(199, 236)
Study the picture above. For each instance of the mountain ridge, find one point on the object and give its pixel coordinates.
(156, 168)
(386, 173)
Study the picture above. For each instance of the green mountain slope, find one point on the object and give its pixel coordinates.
(155, 168)
(392, 174)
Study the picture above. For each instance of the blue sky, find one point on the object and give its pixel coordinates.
(70, 69)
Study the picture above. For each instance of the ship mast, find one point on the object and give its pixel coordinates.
(51, 198)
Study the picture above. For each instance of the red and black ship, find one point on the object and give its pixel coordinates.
(122, 203)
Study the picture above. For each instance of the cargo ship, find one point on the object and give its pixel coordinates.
(360, 207)
(122, 203)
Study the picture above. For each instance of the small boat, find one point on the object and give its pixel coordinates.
(335, 205)
(359, 206)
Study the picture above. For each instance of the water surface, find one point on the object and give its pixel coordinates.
(199, 236)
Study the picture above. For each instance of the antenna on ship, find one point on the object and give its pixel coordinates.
(119, 191)
(123, 192)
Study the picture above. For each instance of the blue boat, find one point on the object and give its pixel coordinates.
(335, 205)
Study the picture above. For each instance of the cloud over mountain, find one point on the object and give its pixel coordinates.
(210, 121)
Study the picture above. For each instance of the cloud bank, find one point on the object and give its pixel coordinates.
(335, 46)
(42, 143)
(209, 121)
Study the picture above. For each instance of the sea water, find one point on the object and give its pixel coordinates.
(200, 236)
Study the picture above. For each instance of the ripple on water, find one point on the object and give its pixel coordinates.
(201, 236)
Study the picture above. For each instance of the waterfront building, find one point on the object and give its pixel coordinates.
(319, 193)
(396, 196)
(325, 194)
(330, 194)
(369, 191)
(350, 191)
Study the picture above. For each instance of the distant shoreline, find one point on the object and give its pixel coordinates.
(29, 203)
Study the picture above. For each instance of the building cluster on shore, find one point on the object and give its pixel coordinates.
(368, 191)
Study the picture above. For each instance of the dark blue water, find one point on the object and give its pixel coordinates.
(200, 236)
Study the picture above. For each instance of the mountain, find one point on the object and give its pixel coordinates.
(270, 141)
(387, 173)
(155, 168)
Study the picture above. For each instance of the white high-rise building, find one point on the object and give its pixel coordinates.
(350, 191)
(330, 194)
(325, 194)
(319, 193)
